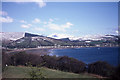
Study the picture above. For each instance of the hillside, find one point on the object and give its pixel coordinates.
(21, 72)
(28, 40)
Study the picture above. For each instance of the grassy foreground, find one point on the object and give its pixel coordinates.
(22, 72)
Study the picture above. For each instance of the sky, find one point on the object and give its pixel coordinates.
(60, 18)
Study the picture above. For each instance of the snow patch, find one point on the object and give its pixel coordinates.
(11, 35)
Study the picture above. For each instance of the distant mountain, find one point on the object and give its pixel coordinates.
(15, 35)
(32, 42)
(28, 40)
(11, 35)
(96, 37)
(30, 35)
(65, 39)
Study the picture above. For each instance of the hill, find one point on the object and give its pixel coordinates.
(28, 40)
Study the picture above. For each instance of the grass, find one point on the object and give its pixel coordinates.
(22, 72)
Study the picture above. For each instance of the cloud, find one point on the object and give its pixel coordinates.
(117, 31)
(26, 26)
(57, 27)
(6, 19)
(50, 20)
(53, 26)
(40, 3)
(39, 29)
(36, 20)
(44, 22)
(67, 25)
(3, 13)
(23, 21)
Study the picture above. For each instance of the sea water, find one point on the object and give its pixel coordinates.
(90, 55)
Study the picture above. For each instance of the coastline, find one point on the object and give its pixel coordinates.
(46, 51)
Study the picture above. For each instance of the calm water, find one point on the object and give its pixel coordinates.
(89, 55)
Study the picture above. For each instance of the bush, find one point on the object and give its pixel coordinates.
(35, 73)
(63, 63)
(71, 65)
(116, 75)
(20, 58)
(23, 58)
(50, 61)
(5, 59)
(101, 68)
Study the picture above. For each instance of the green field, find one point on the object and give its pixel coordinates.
(22, 72)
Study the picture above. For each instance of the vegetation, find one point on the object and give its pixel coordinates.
(64, 63)
(22, 72)
(116, 74)
(35, 72)
(101, 68)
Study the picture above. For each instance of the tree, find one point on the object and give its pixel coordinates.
(101, 68)
(116, 75)
(35, 73)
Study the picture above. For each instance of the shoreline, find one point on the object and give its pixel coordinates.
(46, 51)
(84, 47)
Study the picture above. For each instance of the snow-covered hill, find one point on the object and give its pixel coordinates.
(17, 35)
(28, 40)
(11, 35)
(81, 38)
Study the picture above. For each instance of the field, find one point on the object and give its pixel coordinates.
(22, 72)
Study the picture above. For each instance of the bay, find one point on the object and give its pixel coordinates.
(90, 55)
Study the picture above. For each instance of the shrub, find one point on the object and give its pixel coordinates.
(101, 68)
(71, 65)
(116, 74)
